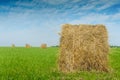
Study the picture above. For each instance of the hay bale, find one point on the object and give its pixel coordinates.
(13, 45)
(43, 46)
(83, 47)
(27, 46)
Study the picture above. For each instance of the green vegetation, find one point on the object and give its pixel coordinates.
(41, 64)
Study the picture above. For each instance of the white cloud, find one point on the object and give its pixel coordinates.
(4, 7)
(55, 2)
(45, 33)
(99, 4)
(42, 25)
(76, 0)
(108, 20)
(34, 28)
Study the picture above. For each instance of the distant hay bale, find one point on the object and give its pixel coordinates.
(27, 46)
(43, 46)
(13, 45)
(83, 47)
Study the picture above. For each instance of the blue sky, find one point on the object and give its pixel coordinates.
(39, 21)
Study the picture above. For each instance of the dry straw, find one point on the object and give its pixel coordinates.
(83, 47)
(43, 46)
(13, 45)
(27, 46)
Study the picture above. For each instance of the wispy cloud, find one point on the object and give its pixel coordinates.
(111, 22)
(39, 21)
(99, 5)
(55, 2)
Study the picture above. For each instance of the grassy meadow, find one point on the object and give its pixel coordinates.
(41, 64)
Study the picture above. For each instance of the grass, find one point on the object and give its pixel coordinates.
(41, 64)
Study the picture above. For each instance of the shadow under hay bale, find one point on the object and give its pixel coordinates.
(27, 46)
(43, 46)
(83, 47)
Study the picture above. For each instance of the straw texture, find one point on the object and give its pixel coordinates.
(27, 46)
(43, 45)
(13, 45)
(83, 47)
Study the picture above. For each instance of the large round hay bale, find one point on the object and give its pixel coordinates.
(43, 46)
(83, 47)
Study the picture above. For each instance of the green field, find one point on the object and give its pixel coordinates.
(41, 64)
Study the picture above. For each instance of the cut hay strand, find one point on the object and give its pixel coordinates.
(83, 47)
